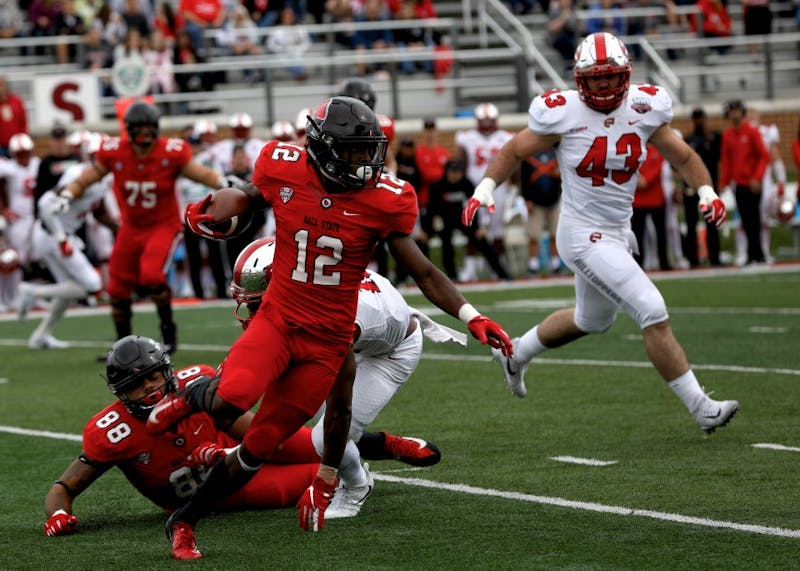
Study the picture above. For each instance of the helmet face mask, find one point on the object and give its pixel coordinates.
(141, 123)
(487, 116)
(346, 144)
(20, 146)
(251, 275)
(133, 360)
(602, 71)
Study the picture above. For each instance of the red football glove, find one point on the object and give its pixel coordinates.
(206, 454)
(482, 196)
(490, 333)
(66, 248)
(197, 219)
(711, 205)
(60, 523)
(311, 505)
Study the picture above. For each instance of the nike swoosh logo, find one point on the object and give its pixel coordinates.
(719, 412)
(509, 369)
(418, 441)
(199, 428)
(633, 122)
(346, 213)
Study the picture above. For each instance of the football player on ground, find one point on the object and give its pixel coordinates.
(600, 132)
(145, 168)
(332, 204)
(55, 243)
(388, 347)
(167, 469)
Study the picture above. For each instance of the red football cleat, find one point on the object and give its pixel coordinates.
(167, 413)
(181, 535)
(410, 450)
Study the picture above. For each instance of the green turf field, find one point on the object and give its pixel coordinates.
(669, 497)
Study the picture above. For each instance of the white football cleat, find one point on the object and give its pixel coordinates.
(513, 372)
(711, 414)
(347, 502)
(46, 342)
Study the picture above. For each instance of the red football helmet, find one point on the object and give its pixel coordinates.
(251, 274)
(487, 115)
(602, 54)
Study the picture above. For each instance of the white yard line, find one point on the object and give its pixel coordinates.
(780, 447)
(583, 461)
(517, 496)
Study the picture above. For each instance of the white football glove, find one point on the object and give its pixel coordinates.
(62, 202)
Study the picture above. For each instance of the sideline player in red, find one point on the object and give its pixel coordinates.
(332, 204)
(167, 469)
(145, 168)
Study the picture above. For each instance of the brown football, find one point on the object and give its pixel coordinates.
(230, 208)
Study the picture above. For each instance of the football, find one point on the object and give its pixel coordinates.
(230, 208)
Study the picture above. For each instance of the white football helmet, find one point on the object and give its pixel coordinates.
(20, 146)
(251, 274)
(602, 54)
(283, 131)
(487, 115)
(240, 124)
(92, 141)
(302, 120)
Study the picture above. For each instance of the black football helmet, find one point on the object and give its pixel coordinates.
(345, 144)
(141, 123)
(131, 360)
(360, 89)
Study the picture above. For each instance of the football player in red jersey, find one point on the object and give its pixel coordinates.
(332, 204)
(145, 168)
(167, 469)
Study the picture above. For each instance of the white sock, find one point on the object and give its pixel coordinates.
(688, 390)
(57, 310)
(351, 473)
(62, 290)
(528, 346)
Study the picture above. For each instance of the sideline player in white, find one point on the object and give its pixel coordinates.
(55, 243)
(477, 147)
(16, 207)
(241, 125)
(772, 187)
(600, 131)
(388, 347)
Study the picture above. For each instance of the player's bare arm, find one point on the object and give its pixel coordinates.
(204, 175)
(524, 144)
(90, 175)
(75, 479)
(681, 156)
(239, 426)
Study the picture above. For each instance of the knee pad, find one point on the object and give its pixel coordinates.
(597, 325)
(160, 294)
(649, 309)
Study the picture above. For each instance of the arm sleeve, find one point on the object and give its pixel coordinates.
(51, 223)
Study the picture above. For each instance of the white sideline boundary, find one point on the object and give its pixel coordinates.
(518, 496)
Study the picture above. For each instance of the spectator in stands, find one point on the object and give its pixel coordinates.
(341, 12)
(292, 41)
(135, 18)
(606, 18)
(540, 183)
(98, 54)
(110, 24)
(563, 28)
(707, 143)
(376, 39)
(68, 23)
(11, 20)
(199, 16)
(158, 57)
(167, 21)
(716, 22)
(757, 17)
(43, 15)
(184, 52)
(655, 23)
(743, 160)
(131, 48)
(521, 7)
(270, 12)
(648, 201)
(239, 36)
(13, 118)
(431, 158)
(412, 39)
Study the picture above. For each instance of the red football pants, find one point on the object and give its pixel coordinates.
(141, 256)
